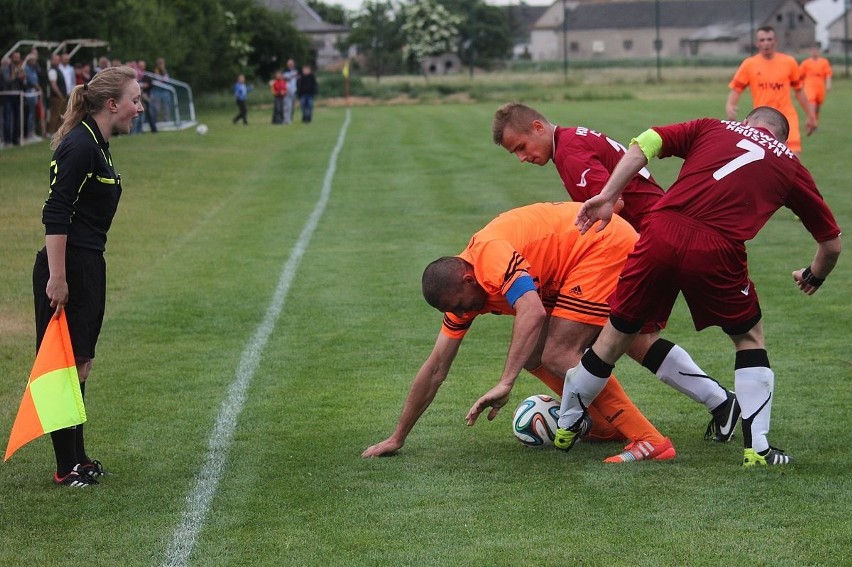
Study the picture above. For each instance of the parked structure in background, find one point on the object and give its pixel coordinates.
(323, 35)
(679, 28)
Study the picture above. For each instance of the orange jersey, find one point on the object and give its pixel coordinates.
(574, 274)
(770, 82)
(814, 72)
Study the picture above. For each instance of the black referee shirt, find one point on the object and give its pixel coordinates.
(84, 188)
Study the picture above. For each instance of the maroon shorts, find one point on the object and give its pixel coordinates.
(678, 254)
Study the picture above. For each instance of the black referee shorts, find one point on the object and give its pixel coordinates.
(85, 272)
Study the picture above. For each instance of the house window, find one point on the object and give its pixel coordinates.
(598, 46)
(628, 44)
(575, 46)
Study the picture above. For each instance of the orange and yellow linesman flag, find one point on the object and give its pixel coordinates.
(52, 399)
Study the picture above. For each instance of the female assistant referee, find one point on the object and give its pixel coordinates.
(70, 272)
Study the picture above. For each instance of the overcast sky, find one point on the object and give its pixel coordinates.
(355, 4)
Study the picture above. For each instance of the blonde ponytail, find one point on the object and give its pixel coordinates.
(91, 98)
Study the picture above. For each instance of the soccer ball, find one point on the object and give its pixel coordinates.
(201, 129)
(534, 422)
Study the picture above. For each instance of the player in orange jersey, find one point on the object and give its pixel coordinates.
(816, 75)
(770, 76)
(530, 262)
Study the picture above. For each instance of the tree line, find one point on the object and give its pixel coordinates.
(208, 42)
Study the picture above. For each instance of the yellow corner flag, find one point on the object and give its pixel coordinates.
(52, 399)
(346, 69)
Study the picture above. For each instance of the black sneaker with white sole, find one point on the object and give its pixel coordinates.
(94, 469)
(724, 421)
(77, 478)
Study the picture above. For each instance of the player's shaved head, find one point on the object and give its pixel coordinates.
(771, 119)
(441, 277)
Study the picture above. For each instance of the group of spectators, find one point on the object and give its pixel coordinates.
(289, 84)
(46, 88)
(286, 86)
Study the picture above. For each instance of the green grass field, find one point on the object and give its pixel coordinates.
(203, 234)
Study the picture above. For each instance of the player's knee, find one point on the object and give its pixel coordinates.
(84, 367)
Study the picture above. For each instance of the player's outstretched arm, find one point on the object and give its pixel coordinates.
(423, 389)
(529, 321)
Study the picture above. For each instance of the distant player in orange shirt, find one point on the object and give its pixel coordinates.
(816, 74)
(530, 262)
(770, 76)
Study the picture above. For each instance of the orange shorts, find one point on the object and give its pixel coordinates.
(815, 95)
(583, 294)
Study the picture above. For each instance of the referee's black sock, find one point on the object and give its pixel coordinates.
(80, 446)
(65, 449)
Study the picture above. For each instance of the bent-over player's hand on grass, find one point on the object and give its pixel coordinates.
(384, 449)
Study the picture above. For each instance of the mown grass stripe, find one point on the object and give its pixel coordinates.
(199, 500)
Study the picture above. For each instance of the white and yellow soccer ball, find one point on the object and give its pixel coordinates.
(534, 422)
(201, 129)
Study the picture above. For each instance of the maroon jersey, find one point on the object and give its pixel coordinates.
(736, 177)
(585, 159)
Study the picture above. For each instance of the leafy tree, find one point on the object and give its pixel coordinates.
(485, 35)
(376, 31)
(204, 42)
(261, 39)
(429, 29)
(330, 13)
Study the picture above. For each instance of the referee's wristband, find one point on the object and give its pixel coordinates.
(809, 278)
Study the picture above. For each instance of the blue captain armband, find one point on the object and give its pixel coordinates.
(521, 285)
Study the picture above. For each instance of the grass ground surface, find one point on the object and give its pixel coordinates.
(195, 254)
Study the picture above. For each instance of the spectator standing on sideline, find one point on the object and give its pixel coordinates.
(103, 63)
(83, 72)
(306, 86)
(584, 160)
(58, 94)
(148, 115)
(13, 80)
(770, 76)
(163, 103)
(32, 96)
(279, 92)
(70, 272)
(816, 74)
(531, 262)
(733, 179)
(3, 62)
(291, 75)
(68, 73)
(241, 91)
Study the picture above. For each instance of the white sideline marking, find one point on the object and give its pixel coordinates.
(198, 501)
